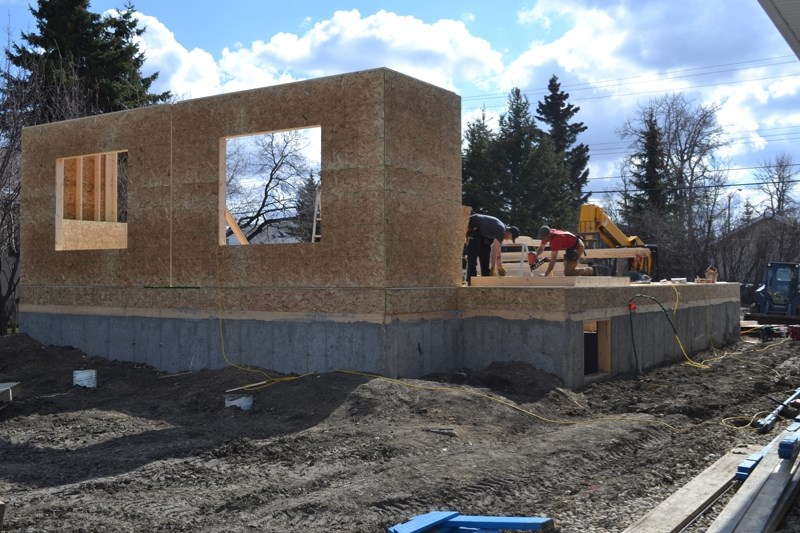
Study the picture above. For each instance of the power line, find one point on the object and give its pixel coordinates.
(688, 187)
(732, 169)
(673, 75)
(623, 150)
(654, 91)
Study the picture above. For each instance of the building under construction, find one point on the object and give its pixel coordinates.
(380, 292)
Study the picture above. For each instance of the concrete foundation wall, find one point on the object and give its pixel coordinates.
(401, 347)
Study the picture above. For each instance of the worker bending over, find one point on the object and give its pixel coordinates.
(485, 234)
(573, 249)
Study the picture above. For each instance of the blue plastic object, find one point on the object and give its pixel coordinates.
(453, 522)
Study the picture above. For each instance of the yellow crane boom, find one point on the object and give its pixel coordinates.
(599, 231)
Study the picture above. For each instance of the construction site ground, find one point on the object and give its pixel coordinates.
(149, 451)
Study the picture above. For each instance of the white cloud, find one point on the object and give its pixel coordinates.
(611, 56)
(443, 53)
(186, 73)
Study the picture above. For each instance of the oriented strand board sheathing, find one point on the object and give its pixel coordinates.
(411, 302)
(174, 192)
(91, 235)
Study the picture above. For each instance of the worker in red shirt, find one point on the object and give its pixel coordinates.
(573, 249)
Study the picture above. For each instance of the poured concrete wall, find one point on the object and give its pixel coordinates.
(380, 293)
(544, 325)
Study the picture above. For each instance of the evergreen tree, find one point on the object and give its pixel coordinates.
(557, 113)
(516, 174)
(96, 56)
(517, 142)
(648, 173)
(748, 213)
(305, 202)
(480, 190)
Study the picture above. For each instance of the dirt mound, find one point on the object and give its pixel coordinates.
(148, 451)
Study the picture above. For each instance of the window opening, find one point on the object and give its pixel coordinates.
(272, 188)
(596, 346)
(92, 201)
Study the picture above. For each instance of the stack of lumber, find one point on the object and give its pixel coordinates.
(767, 481)
(770, 487)
(515, 256)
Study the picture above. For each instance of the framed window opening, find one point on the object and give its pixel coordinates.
(270, 188)
(92, 202)
(596, 346)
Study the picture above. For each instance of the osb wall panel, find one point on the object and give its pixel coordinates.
(423, 198)
(88, 234)
(424, 240)
(143, 131)
(417, 302)
(175, 196)
(239, 303)
(350, 114)
(597, 301)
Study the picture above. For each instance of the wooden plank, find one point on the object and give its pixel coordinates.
(98, 188)
(237, 231)
(618, 253)
(737, 507)
(760, 511)
(549, 281)
(786, 501)
(674, 513)
(591, 253)
(59, 204)
(78, 188)
(110, 185)
(68, 190)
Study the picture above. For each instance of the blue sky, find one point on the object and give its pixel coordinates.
(610, 55)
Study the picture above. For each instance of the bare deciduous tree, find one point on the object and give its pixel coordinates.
(689, 138)
(16, 104)
(263, 174)
(776, 181)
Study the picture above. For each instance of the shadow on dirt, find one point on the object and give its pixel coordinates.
(517, 381)
(141, 415)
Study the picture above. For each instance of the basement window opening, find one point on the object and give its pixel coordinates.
(92, 201)
(596, 346)
(271, 186)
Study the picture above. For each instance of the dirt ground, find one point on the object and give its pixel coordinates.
(148, 451)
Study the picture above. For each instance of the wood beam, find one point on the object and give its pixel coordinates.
(110, 186)
(604, 346)
(79, 188)
(59, 204)
(98, 188)
(235, 227)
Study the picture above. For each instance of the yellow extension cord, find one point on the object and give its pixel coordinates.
(272, 381)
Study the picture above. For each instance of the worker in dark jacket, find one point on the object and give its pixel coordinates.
(573, 249)
(485, 234)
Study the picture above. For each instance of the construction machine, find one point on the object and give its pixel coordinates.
(777, 300)
(599, 232)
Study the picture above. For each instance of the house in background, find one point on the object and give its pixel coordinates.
(742, 255)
